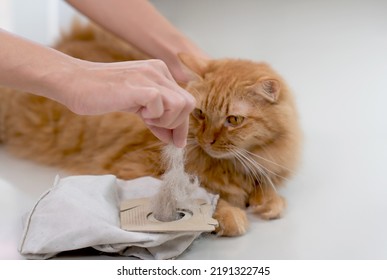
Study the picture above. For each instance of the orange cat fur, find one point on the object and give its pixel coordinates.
(244, 137)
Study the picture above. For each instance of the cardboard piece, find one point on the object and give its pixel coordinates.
(136, 215)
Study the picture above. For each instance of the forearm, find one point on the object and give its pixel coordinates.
(139, 23)
(143, 87)
(30, 67)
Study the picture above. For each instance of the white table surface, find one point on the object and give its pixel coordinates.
(334, 55)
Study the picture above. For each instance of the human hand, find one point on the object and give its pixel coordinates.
(144, 87)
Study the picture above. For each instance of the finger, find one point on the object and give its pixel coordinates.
(183, 116)
(179, 135)
(158, 72)
(153, 107)
(177, 109)
(165, 135)
(163, 68)
(165, 121)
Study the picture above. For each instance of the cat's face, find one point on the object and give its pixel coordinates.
(240, 105)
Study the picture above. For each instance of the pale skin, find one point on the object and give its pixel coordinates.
(147, 88)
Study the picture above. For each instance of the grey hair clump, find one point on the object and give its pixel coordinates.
(176, 187)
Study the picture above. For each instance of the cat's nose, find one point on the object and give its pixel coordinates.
(209, 142)
(210, 138)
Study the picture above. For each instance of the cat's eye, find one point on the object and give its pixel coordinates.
(234, 120)
(198, 114)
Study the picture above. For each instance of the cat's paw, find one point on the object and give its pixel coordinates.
(269, 208)
(232, 221)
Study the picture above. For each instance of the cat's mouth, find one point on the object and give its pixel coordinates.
(217, 153)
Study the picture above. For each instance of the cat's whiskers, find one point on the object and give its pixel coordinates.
(249, 154)
(267, 160)
(191, 140)
(253, 172)
(262, 169)
(252, 176)
(192, 144)
(255, 167)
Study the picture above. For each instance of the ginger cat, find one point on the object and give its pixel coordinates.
(243, 142)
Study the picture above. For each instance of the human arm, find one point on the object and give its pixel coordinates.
(140, 24)
(143, 87)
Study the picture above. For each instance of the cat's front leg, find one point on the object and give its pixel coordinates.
(266, 202)
(232, 220)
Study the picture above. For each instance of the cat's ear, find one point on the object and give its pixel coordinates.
(195, 66)
(269, 88)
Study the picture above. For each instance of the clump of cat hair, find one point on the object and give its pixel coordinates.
(176, 187)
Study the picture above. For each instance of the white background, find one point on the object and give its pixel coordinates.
(334, 56)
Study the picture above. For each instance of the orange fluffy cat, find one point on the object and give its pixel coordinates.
(243, 141)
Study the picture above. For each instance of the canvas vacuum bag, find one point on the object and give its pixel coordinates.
(84, 211)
